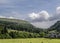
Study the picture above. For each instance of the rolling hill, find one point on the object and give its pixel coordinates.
(20, 25)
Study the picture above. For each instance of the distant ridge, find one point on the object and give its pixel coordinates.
(56, 26)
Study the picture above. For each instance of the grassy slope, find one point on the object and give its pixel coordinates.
(13, 20)
(32, 40)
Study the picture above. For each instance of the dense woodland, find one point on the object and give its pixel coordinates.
(12, 28)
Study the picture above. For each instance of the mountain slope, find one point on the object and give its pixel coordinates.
(20, 25)
(56, 26)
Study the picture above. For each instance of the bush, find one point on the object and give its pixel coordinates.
(5, 36)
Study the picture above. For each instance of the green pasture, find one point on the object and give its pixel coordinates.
(31, 40)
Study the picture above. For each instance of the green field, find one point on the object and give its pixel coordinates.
(32, 40)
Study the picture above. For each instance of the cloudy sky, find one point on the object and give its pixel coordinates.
(41, 13)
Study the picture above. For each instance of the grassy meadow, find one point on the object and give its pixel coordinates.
(32, 40)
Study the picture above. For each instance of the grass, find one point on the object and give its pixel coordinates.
(31, 40)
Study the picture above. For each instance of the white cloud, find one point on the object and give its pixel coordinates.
(2, 16)
(58, 10)
(43, 15)
(45, 24)
(33, 15)
(55, 16)
(7, 17)
(11, 17)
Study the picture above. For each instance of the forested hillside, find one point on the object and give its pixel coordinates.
(19, 25)
(54, 30)
(27, 29)
(55, 26)
(14, 28)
